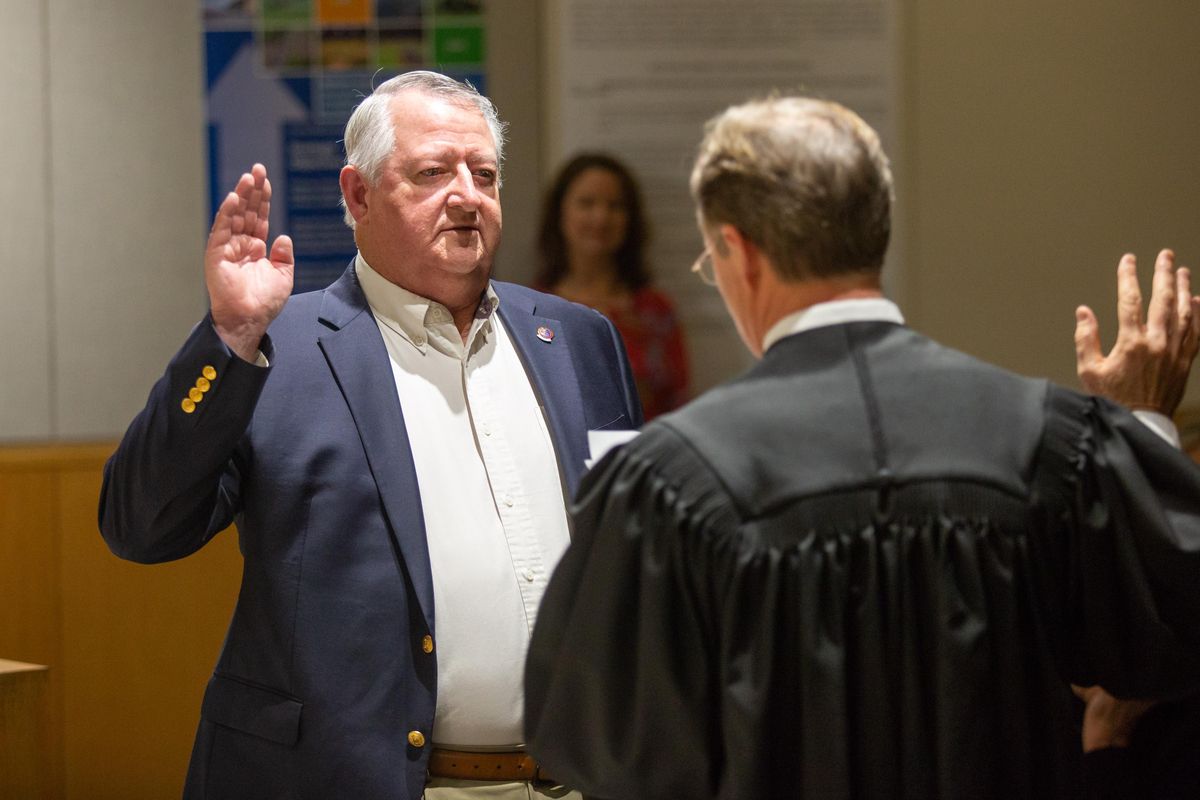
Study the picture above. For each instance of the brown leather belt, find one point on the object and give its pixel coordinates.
(508, 766)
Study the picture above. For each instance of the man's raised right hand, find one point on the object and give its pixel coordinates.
(1148, 365)
(246, 287)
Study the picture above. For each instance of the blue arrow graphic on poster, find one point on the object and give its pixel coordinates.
(247, 110)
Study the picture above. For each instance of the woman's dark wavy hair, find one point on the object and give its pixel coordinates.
(631, 264)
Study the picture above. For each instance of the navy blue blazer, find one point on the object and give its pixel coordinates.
(323, 675)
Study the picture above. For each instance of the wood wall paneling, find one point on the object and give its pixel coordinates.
(130, 647)
(24, 729)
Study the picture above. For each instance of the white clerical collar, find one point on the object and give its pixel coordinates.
(835, 312)
(418, 319)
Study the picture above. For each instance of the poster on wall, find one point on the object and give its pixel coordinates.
(639, 79)
(281, 78)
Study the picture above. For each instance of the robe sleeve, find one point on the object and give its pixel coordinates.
(1118, 568)
(1110, 774)
(621, 691)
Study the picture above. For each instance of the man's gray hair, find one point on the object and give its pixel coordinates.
(805, 180)
(370, 136)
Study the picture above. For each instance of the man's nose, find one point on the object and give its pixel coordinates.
(463, 192)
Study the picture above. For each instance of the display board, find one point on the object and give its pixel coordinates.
(639, 79)
(282, 77)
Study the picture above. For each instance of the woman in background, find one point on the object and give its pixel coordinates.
(592, 241)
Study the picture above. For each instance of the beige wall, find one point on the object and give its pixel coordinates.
(101, 229)
(24, 231)
(127, 202)
(1043, 141)
(513, 65)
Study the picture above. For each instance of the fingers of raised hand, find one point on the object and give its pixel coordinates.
(244, 192)
(253, 216)
(1187, 320)
(222, 227)
(253, 207)
(1129, 297)
(1191, 339)
(1087, 341)
(1183, 297)
(263, 212)
(1161, 319)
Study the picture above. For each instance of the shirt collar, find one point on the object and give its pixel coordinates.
(835, 312)
(419, 319)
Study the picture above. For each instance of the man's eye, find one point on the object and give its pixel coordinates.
(486, 174)
(432, 172)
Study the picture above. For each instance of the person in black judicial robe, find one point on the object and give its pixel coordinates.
(870, 566)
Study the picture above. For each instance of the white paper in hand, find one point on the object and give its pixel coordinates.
(600, 442)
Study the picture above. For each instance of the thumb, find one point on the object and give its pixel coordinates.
(282, 254)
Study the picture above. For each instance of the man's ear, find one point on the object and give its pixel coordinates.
(744, 255)
(354, 191)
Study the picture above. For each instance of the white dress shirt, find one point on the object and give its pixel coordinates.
(493, 502)
(880, 309)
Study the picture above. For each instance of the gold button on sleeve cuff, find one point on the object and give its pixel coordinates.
(209, 372)
(416, 738)
(195, 395)
(188, 405)
(427, 644)
(202, 384)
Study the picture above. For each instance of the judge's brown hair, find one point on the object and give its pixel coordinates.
(805, 180)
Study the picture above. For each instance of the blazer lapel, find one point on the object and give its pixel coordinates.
(358, 358)
(552, 374)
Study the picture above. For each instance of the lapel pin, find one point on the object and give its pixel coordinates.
(545, 334)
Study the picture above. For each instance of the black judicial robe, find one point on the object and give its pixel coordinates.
(868, 568)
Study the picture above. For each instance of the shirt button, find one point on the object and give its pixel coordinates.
(487, 429)
(427, 644)
(528, 575)
(508, 501)
(418, 341)
(416, 738)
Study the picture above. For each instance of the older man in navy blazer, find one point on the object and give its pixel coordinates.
(400, 442)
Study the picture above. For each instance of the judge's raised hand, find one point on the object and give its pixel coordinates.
(1148, 365)
(246, 287)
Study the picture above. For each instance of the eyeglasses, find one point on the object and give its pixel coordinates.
(702, 268)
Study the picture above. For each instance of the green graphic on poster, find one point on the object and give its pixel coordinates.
(458, 45)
